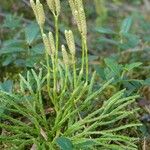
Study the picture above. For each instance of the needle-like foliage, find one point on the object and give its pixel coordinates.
(66, 115)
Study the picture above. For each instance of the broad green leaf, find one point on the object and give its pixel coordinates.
(85, 145)
(132, 86)
(6, 86)
(31, 32)
(126, 25)
(147, 82)
(146, 38)
(130, 40)
(113, 66)
(8, 60)
(9, 50)
(19, 62)
(93, 57)
(13, 43)
(144, 129)
(12, 21)
(32, 60)
(64, 143)
(38, 49)
(100, 71)
(108, 73)
(129, 67)
(109, 41)
(104, 30)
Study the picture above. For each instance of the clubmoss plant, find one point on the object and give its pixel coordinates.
(66, 116)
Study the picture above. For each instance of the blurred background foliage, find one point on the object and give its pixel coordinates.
(119, 44)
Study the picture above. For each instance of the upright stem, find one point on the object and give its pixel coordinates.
(56, 37)
(48, 68)
(83, 54)
(86, 59)
(55, 68)
(63, 91)
(48, 75)
(61, 95)
(74, 71)
(42, 31)
(66, 78)
(42, 108)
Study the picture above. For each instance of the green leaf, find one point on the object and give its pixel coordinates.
(38, 49)
(130, 40)
(32, 60)
(100, 71)
(64, 143)
(12, 21)
(147, 82)
(85, 145)
(113, 66)
(144, 130)
(146, 38)
(31, 32)
(7, 61)
(8, 50)
(6, 86)
(19, 62)
(129, 67)
(126, 25)
(104, 30)
(92, 57)
(13, 43)
(108, 41)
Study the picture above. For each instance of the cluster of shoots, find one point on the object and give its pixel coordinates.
(52, 44)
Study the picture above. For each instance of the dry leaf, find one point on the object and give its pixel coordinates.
(43, 134)
(33, 147)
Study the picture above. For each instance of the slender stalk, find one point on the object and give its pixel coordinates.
(48, 76)
(74, 71)
(86, 59)
(66, 77)
(42, 31)
(59, 114)
(42, 109)
(55, 68)
(48, 82)
(48, 69)
(55, 81)
(65, 83)
(56, 37)
(83, 54)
